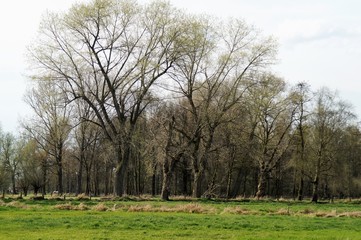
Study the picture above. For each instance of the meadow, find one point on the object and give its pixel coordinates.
(137, 218)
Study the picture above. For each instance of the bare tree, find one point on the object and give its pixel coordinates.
(153, 93)
(212, 78)
(4, 175)
(272, 112)
(31, 171)
(86, 143)
(344, 177)
(328, 119)
(10, 158)
(50, 126)
(109, 54)
(301, 96)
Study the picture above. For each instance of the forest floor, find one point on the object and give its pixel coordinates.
(145, 218)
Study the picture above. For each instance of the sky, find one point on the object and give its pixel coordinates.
(319, 42)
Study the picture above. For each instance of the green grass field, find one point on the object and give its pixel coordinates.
(95, 219)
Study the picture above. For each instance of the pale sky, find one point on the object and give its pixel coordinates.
(319, 42)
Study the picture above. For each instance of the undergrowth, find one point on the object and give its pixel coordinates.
(336, 210)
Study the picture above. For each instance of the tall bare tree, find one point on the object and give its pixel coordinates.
(212, 78)
(86, 141)
(328, 119)
(110, 54)
(301, 96)
(50, 126)
(272, 114)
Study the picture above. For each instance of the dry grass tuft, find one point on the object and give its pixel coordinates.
(307, 211)
(182, 198)
(14, 204)
(141, 208)
(331, 214)
(188, 208)
(65, 206)
(101, 207)
(146, 197)
(17, 204)
(194, 208)
(116, 207)
(82, 207)
(82, 197)
(283, 211)
(356, 214)
(69, 206)
(322, 214)
(237, 210)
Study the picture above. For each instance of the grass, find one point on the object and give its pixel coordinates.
(95, 219)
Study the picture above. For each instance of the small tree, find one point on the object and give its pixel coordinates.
(50, 126)
(10, 159)
(328, 119)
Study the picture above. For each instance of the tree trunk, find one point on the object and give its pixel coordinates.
(96, 181)
(87, 185)
(123, 154)
(60, 178)
(300, 189)
(169, 163)
(245, 184)
(79, 178)
(106, 179)
(316, 179)
(121, 177)
(36, 190)
(185, 180)
(59, 159)
(230, 173)
(237, 183)
(315, 190)
(44, 168)
(262, 183)
(166, 183)
(197, 184)
(198, 172)
(153, 184)
(229, 182)
(13, 181)
(199, 162)
(154, 177)
(25, 190)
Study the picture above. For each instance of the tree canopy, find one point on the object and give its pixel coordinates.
(134, 99)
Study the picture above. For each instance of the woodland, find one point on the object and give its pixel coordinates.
(147, 99)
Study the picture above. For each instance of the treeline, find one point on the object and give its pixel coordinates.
(147, 99)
